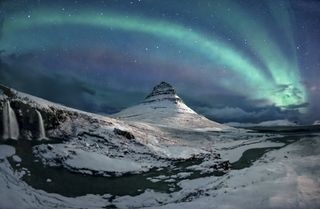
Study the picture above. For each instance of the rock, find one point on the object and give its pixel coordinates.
(162, 89)
(126, 134)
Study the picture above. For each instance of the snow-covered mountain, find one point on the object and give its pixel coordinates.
(91, 143)
(163, 107)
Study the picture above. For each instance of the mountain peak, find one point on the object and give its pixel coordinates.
(165, 108)
(163, 88)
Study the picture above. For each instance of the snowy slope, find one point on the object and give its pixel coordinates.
(165, 108)
(283, 178)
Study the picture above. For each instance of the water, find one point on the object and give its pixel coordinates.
(42, 133)
(251, 155)
(10, 123)
(71, 184)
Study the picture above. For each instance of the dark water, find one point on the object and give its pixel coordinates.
(71, 184)
(251, 155)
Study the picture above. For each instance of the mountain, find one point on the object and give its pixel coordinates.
(90, 143)
(163, 107)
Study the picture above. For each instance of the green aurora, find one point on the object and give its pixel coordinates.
(282, 88)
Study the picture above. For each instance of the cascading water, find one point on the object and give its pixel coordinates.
(10, 123)
(42, 133)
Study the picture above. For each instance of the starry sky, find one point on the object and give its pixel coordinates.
(243, 61)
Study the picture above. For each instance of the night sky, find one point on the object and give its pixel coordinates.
(244, 61)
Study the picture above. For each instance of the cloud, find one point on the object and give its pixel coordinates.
(297, 106)
(236, 114)
(1, 20)
(226, 113)
(55, 87)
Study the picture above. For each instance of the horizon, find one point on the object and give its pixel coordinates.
(278, 122)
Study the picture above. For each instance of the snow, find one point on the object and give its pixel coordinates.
(170, 111)
(6, 151)
(317, 122)
(98, 162)
(234, 154)
(167, 113)
(16, 159)
(78, 159)
(272, 182)
(177, 151)
(283, 178)
(14, 193)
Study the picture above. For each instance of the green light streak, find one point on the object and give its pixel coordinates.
(284, 71)
(213, 48)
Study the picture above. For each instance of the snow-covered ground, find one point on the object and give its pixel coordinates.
(282, 178)
(285, 178)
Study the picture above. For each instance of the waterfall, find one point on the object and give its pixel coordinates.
(10, 123)
(42, 133)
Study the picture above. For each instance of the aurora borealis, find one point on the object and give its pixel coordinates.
(245, 56)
